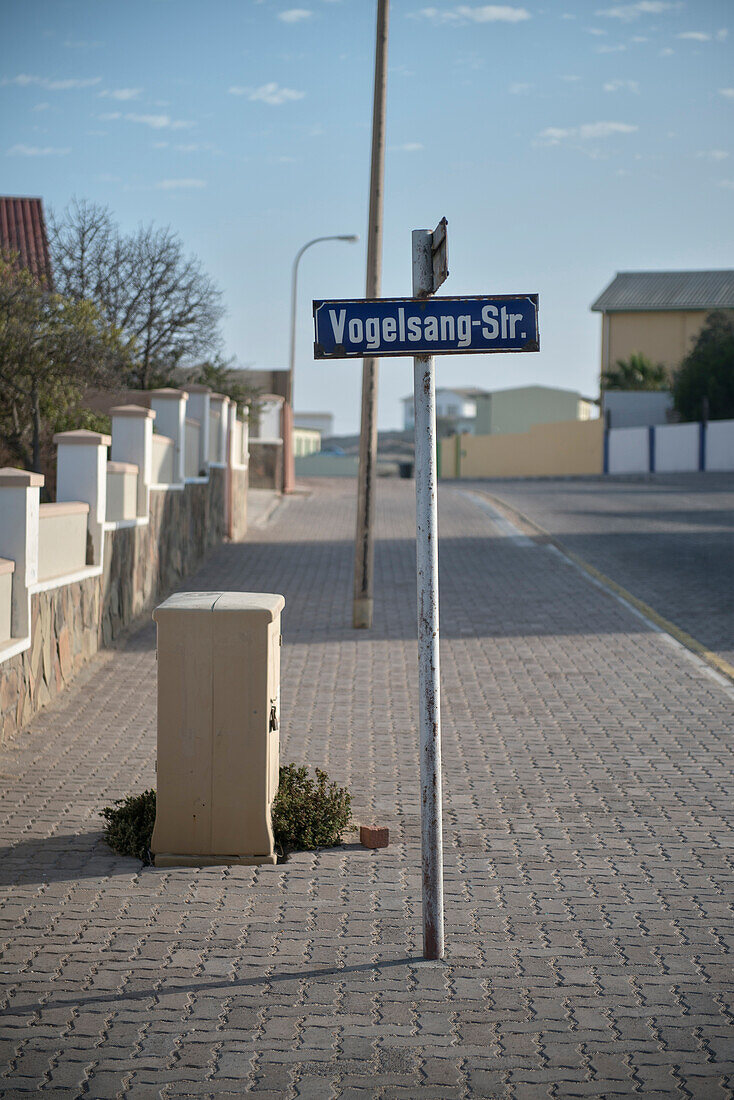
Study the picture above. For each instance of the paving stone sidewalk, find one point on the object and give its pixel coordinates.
(588, 849)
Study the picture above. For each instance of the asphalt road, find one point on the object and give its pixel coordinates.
(668, 539)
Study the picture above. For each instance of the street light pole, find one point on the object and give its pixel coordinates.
(352, 238)
(289, 462)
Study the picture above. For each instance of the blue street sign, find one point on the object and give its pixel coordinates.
(434, 326)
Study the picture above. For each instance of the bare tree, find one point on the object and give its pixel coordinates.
(162, 301)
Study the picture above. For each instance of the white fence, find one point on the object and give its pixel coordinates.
(162, 472)
(670, 448)
(122, 491)
(104, 482)
(62, 538)
(192, 451)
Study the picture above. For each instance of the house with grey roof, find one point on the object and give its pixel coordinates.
(659, 313)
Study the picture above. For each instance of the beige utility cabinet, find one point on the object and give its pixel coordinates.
(218, 721)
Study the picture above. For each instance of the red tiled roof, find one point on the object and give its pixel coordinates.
(23, 230)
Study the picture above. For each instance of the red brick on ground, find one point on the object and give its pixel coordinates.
(373, 837)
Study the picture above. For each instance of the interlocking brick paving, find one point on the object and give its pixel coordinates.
(588, 849)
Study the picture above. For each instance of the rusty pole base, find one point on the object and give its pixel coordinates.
(362, 613)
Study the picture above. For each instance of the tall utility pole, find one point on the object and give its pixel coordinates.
(363, 549)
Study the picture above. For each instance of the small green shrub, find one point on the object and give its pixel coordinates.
(130, 822)
(308, 813)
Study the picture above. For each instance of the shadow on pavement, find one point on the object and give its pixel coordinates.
(229, 985)
(61, 858)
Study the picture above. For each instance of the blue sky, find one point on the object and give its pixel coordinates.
(563, 141)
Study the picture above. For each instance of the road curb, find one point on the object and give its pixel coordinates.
(544, 538)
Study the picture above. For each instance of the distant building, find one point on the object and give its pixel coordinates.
(658, 313)
(484, 412)
(456, 411)
(319, 421)
(306, 441)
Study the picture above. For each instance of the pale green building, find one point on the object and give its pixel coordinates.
(518, 409)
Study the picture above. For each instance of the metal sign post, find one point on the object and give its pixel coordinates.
(424, 326)
(429, 689)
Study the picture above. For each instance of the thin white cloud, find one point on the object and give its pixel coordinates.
(181, 185)
(666, 52)
(622, 86)
(37, 151)
(120, 94)
(627, 13)
(728, 184)
(82, 44)
(520, 88)
(596, 31)
(722, 35)
(156, 122)
(713, 154)
(611, 49)
(24, 80)
(485, 13)
(728, 93)
(294, 15)
(270, 93)
(695, 36)
(161, 122)
(41, 107)
(554, 135)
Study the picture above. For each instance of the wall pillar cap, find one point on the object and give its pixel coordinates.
(170, 394)
(82, 436)
(219, 397)
(10, 477)
(133, 411)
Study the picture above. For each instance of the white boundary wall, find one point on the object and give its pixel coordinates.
(676, 448)
(629, 450)
(139, 460)
(720, 445)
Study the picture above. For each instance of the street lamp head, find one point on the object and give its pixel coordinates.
(352, 237)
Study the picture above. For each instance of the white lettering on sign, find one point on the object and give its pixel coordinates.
(491, 329)
(337, 324)
(446, 328)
